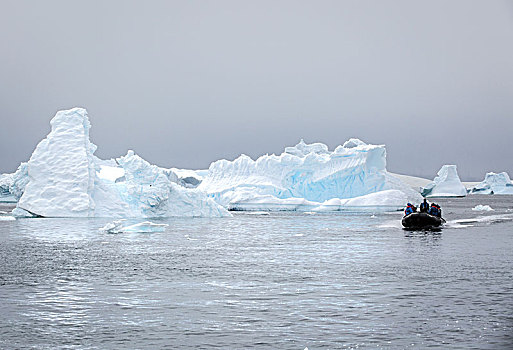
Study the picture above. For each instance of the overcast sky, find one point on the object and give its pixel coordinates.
(184, 83)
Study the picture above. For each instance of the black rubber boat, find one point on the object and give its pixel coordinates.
(422, 220)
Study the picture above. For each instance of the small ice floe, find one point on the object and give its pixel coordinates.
(7, 218)
(482, 208)
(142, 227)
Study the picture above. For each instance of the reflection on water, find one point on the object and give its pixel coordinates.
(280, 281)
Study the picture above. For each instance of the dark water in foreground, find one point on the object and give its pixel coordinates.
(279, 281)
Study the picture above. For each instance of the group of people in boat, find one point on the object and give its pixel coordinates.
(424, 207)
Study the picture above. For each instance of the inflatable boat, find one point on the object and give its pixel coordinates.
(422, 220)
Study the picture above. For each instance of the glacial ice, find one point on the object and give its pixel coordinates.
(141, 227)
(63, 178)
(494, 184)
(61, 170)
(189, 178)
(446, 184)
(6, 181)
(13, 185)
(307, 176)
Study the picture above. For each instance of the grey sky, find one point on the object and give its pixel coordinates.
(184, 83)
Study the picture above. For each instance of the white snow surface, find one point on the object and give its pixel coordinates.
(494, 184)
(305, 176)
(63, 178)
(110, 172)
(118, 226)
(446, 184)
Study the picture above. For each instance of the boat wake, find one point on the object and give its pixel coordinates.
(483, 219)
(458, 223)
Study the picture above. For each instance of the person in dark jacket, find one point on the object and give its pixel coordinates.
(424, 206)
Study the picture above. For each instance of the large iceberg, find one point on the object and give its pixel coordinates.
(494, 184)
(446, 184)
(308, 177)
(63, 178)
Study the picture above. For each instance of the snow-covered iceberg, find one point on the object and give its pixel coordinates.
(308, 177)
(63, 178)
(494, 184)
(446, 184)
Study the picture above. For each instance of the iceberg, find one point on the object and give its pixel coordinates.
(13, 185)
(142, 227)
(307, 177)
(494, 184)
(63, 178)
(446, 184)
(5, 184)
(6, 181)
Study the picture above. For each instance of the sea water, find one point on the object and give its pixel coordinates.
(262, 281)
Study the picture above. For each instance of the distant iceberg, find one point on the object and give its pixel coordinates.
(5, 184)
(63, 178)
(308, 177)
(494, 184)
(6, 181)
(446, 184)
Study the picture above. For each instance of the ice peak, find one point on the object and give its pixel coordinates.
(353, 142)
(447, 183)
(302, 149)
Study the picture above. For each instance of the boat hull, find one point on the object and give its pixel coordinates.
(421, 220)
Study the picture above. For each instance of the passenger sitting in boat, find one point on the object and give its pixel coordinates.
(424, 206)
(409, 209)
(433, 210)
(439, 211)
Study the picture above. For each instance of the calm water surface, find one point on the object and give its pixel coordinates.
(279, 281)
